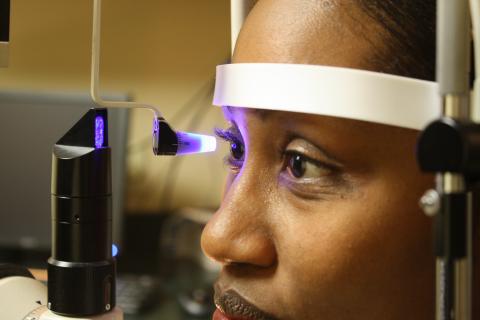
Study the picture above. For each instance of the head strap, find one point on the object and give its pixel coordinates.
(330, 91)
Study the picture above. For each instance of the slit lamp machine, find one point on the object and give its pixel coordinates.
(81, 283)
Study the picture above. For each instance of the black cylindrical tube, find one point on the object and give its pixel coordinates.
(450, 227)
(81, 269)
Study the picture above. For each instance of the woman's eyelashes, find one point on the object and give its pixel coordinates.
(237, 147)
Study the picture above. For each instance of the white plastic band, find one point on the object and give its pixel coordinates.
(331, 91)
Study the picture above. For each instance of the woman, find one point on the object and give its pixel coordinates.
(320, 216)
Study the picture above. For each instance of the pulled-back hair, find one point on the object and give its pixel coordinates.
(410, 31)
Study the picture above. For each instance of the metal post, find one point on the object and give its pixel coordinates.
(453, 267)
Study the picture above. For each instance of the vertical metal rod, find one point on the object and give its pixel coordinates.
(461, 294)
(453, 66)
(95, 69)
(441, 290)
(453, 297)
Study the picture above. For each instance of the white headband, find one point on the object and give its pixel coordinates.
(330, 91)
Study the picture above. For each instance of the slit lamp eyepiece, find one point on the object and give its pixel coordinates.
(167, 141)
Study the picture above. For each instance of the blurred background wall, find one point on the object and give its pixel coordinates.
(160, 52)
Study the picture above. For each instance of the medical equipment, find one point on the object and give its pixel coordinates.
(450, 148)
(81, 255)
(371, 96)
(30, 110)
(166, 141)
(81, 269)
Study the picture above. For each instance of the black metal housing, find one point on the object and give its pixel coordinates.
(165, 140)
(81, 270)
(448, 145)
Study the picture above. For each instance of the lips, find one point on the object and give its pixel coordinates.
(231, 306)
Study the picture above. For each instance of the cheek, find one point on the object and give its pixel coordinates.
(317, 252)
(344, 252)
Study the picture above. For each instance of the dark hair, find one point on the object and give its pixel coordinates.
(411, 37)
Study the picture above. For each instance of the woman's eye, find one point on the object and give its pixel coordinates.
(237, 150)
(308, 177)
(301, 167)
(237, 147)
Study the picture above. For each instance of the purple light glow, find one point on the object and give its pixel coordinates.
(195, 143)
(114, 250)
(99, 132)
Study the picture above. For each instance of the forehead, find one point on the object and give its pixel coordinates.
(308, 32)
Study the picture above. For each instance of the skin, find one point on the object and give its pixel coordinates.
(346, 240)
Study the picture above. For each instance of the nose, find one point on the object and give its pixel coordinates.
(239, 231)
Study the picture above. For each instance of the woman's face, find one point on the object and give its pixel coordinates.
(319, 218)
